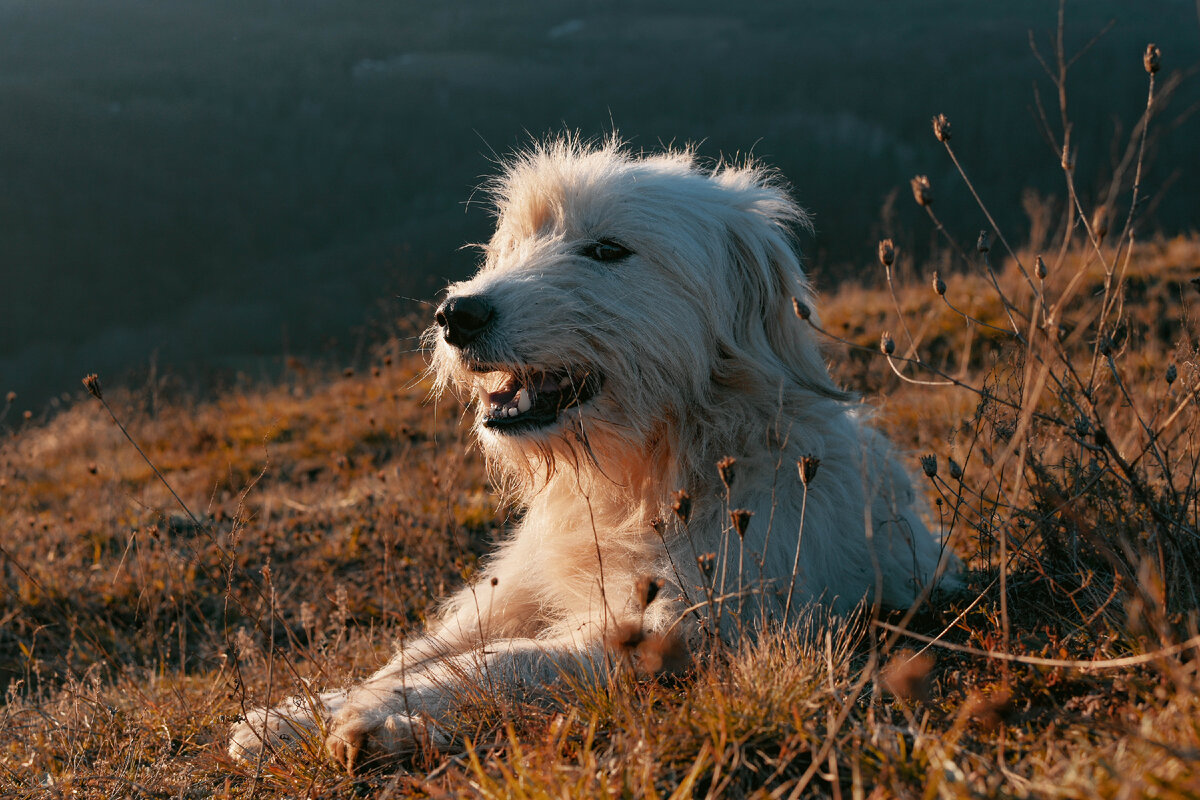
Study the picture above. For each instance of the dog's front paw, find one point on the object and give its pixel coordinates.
(359, 736)
(270, 728)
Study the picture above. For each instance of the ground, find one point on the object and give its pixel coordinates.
(301, 526)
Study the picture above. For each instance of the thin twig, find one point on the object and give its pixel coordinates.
(1099, 664)
(95, 392)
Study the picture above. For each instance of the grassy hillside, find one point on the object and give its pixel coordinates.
(330, 508)
(170, 558)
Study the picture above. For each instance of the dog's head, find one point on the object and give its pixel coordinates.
(622, 298)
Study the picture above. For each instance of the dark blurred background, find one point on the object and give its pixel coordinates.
(206, 187)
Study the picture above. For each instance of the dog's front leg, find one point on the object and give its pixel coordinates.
(499, 606)
(396, 713)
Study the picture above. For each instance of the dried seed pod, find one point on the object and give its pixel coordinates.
(1068, 158)
(92, 383)
(808, 468)
(801, 309)
(941, 128)
(939, 285)
(922, 190)
(887, 253)
(982, 244)
(887, 345)
(740, 517)
(1150, 58)
(648, 589)
(1172, 374)
(956, 471)
(1039, 268)
(682, 506)
(929, 464)
(725, 467)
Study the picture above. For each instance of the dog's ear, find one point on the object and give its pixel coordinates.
(765, 277)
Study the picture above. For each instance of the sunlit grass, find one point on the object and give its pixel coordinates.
(168, 563)
(133, 637)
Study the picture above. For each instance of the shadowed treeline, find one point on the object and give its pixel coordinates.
(211, 185)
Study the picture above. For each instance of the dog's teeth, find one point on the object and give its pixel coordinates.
(512, 412)
(524, 403)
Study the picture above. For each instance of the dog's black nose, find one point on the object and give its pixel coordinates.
(464, 319)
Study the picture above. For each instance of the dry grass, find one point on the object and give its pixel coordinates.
(319, 517)
(334, 508)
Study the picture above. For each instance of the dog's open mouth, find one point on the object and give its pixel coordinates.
(527, 400)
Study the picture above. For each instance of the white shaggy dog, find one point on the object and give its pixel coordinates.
(632, 325)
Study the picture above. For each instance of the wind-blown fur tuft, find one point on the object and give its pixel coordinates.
(650, 298)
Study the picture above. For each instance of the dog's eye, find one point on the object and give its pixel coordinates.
(605, 250)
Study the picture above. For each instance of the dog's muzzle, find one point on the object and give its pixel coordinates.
(514, 398)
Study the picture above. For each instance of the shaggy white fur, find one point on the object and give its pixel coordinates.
(631, 326)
